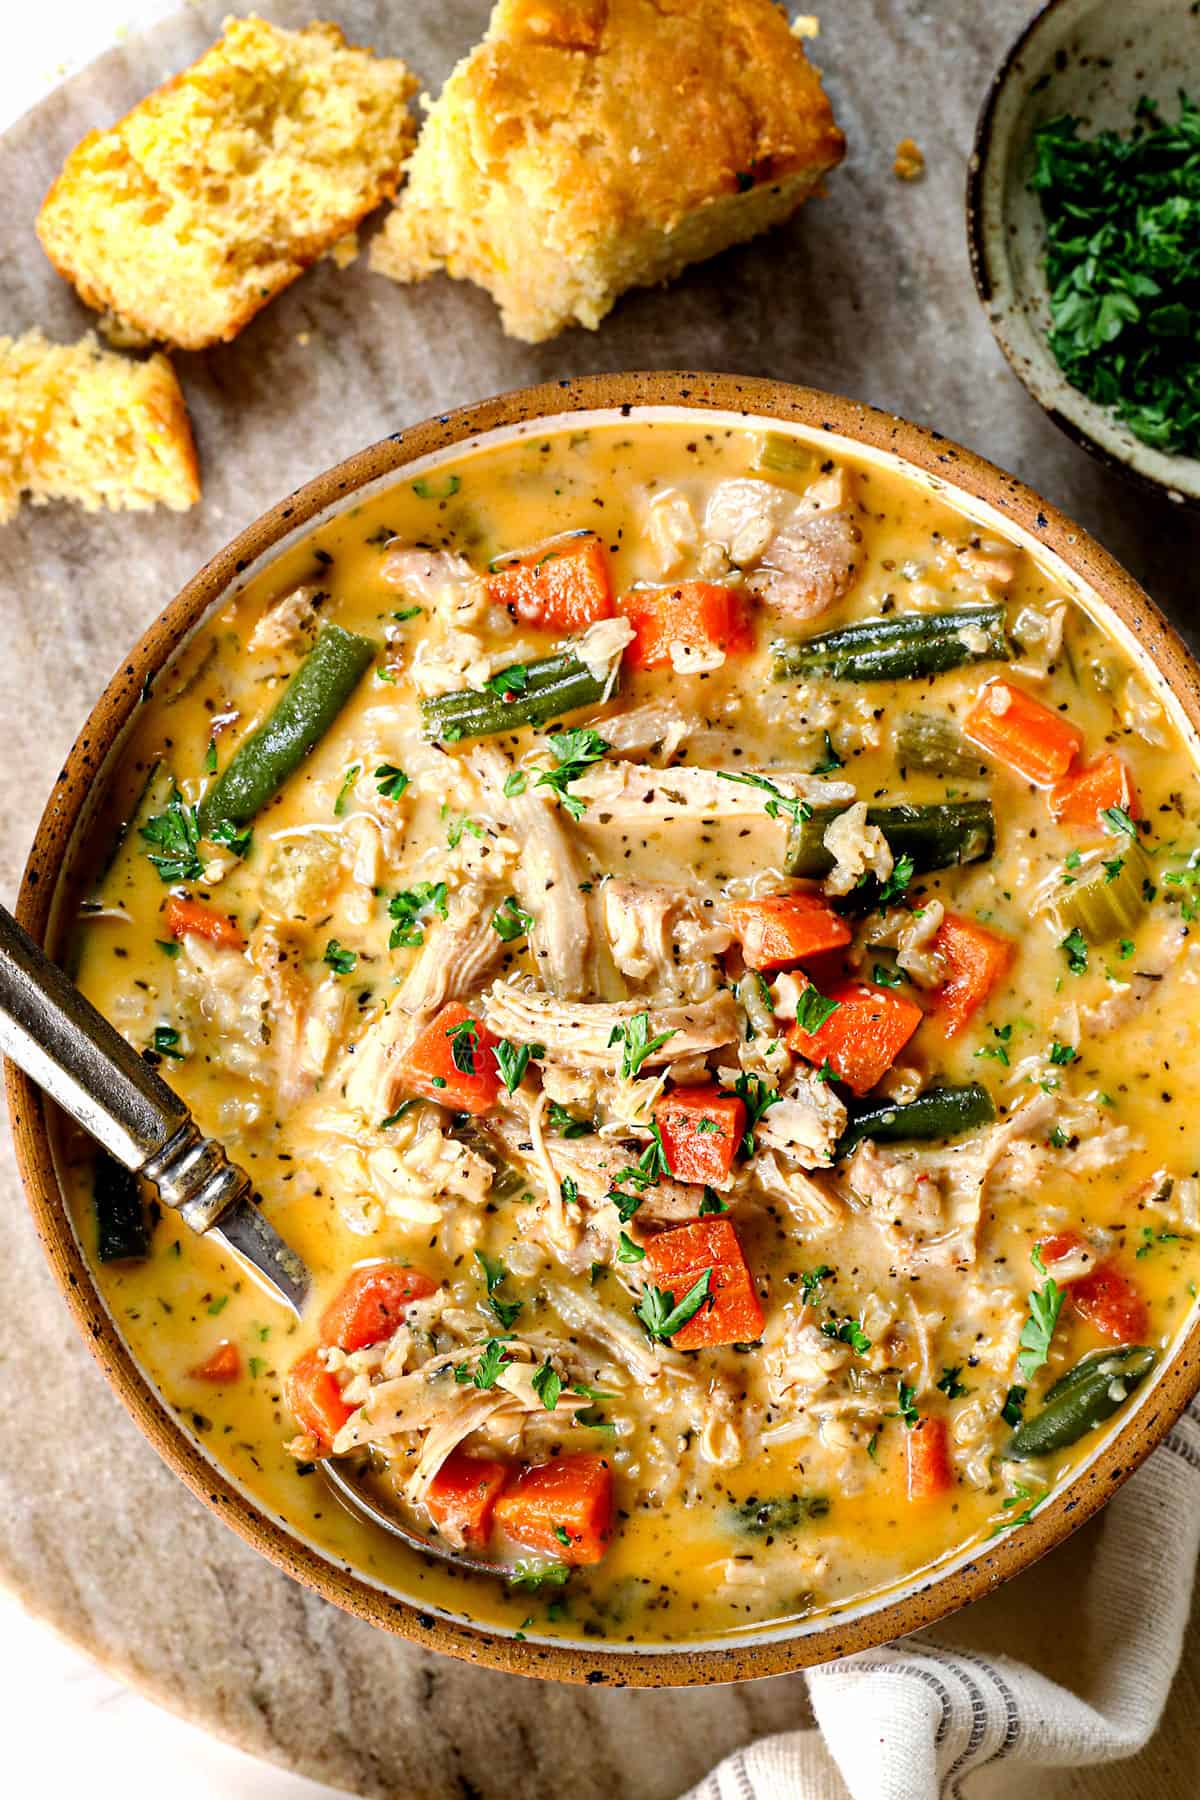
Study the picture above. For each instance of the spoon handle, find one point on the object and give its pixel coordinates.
(57, 1037)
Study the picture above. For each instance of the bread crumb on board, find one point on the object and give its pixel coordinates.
(81, 423)
(589, 146)
(222, 186)
(910, 161)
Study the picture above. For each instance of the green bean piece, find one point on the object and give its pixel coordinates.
(542, 690)
(122, 1231)
(1105, 901)
(931, 741)
(935, 837)
(300, 717)
(938, 1113)
(1083, 1398)
(901, 647)
(779, 454)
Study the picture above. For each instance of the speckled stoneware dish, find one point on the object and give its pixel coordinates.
(46, 902)
(1094, 59)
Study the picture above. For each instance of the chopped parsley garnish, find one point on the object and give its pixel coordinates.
(711, 1204)
(538, 1575)
(566, 1124)
(1013, 1410)
(658, 1313)
(1150, 1237)
(456, 827)
(1125, 949)
(1119, 822)
(495, 1274)
(1074, 948)
(1045, 1304)
(410, 908)
(898, 881)
(847, 1331)
(169, 947)
(510, 921)
(487, 1369)
(810, 1282)
(512, 1060)
(998, 1051)
(236, 839)
(514, 783)
(348, 780)
(464, 1042)
(408, 612)
(165, 1042)
(508, 683)
(218, 1305)
(574, 752)
(950, 1385)
(627, 1250)
(210, 757)
(634, 1035)
(831, 761)
(1122, 264)
(341, 960)
(1062, 1054)
(405, 1106)
(390, 781)
(906, 1405)
(568, 1187)
(1021, 1518)
(779, 805)
(547, 1385)
(175, 837)
(756, 1096)
(1187, 880)
(812, 1010)
(882, 976)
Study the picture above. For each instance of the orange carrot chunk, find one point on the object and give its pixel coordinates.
(782, 929)
(974, 960)
(223, 1366)
(371, 1305)
(927, 1452)
(1113, 1303)
(676, 1260)
(563, 1508)
(701, 1128)
(561, 587)
(315, 1399)
(1023, 734)
(697, 614)
(462, 1497)
(454, 1061)
(861, 1039)
(1081, 798)
(185, 917)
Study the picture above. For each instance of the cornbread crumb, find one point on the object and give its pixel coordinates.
(910, 161)
(78, 422)
(199, 206)
(806, 25)
(590, 146)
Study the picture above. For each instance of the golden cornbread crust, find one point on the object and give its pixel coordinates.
(226, 183)
(81, 423)
(589, 146)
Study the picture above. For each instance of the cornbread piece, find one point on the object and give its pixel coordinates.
(81, 423)
(589, 146)
(223, 185)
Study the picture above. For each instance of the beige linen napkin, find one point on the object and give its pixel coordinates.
(1068, 1666)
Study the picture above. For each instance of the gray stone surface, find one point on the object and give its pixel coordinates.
(867, 293)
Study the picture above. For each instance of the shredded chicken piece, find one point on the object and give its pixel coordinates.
(910, 934)
(458, 953)
(805, 1198)
(439, 579)
(620, 1337)
(857, 848)
(805, 1123)
(594, 1165)
(287, 621)
(671, 530)
(624, 793)
(600, 646)
(658, 728)
(802, 549)
(547, 880)
(663, 938)
(579, 1033)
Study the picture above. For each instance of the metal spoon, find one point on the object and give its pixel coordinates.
(52, 1032)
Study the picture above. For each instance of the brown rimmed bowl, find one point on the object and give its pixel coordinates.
(996, 500)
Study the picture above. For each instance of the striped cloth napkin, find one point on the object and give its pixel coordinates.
(1067, 1666)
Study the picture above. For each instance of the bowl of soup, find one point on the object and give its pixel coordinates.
(680, 891)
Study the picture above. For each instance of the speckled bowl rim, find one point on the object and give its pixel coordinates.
(982, 269)
(945, 1591)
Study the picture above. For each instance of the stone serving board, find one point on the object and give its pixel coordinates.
(867, 293)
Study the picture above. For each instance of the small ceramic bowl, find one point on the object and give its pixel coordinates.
(60, 851)
(1094, 59)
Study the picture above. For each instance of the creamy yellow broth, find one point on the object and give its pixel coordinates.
(268, 1036)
